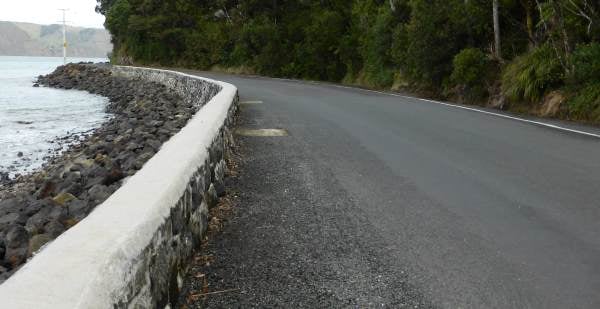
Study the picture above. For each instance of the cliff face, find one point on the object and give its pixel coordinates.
(26, 39)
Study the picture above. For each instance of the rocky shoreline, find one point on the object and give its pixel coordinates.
(36, 208)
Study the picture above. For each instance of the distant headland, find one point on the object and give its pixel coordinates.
(27, 39)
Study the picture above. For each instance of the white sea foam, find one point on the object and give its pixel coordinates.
(32, 117)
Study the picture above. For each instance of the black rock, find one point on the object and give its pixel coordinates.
(15, 256)
(54, 228)
(141, 160)
(16, 237)
(10, 205)
(115, 174)
(78, 209)
(99, 193)
(34, 206)
(2, 249)
(35, 223)
(4, 177)
(155, 144)
(46, 190)
(94, 175)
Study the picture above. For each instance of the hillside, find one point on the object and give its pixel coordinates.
(539, 57)
(26, 39)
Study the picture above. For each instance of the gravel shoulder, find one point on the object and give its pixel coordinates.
(295, 238)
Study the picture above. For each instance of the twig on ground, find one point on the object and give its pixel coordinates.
(196, 296)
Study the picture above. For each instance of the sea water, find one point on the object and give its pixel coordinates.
(31, 118)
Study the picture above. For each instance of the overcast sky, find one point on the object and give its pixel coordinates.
(81, 12)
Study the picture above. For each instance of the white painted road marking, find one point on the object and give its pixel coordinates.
(516, 118)
(548, 125)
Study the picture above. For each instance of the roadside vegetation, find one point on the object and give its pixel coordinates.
(536, 56)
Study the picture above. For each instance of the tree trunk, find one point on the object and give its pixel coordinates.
(497, 47)
(561, 25)
(528, 6)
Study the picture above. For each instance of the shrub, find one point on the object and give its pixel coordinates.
(375, 46)
(317, 56)
(470, 67)
(584, 83)
(586, 64)
(204, 46)
(436, 32)
(529, 76)
(586, 103)
(259, 45)
(471, 70)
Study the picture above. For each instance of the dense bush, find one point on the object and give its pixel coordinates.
(470, 68)
(584, 83)
(585, 104)
(470, 73)
(375, 50)
(205, 46)
(586, 64)
(429, 45)
(259, 45)
(529, 76)
(318, 55)
(435, 33)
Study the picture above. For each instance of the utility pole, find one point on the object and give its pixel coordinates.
(64, 22)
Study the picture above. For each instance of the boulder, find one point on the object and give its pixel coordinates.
(36, 242)
(8, 219)
(36, 222)
(16, 256)
(94, 176)
(10, 205)
(33, 206)
(114, 174)
(47, 189)
(99, 193)
(16, 237)
(78, 209)
(63, 198)
(54, 228)
(155, 144)
(142, 159)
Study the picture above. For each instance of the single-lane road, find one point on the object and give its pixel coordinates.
(479, 211)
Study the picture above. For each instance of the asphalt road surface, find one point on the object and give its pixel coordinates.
(376, 200)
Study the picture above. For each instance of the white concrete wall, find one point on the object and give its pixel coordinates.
(110, 259)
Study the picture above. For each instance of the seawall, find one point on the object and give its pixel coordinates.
(131, 251)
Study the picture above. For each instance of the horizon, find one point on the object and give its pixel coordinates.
(51, 24)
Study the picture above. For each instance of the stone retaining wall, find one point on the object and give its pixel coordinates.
(131, 251)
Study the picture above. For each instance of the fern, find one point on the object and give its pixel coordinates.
(529, 76)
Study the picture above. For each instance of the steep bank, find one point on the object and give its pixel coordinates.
(544, 62)
(36, 208)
